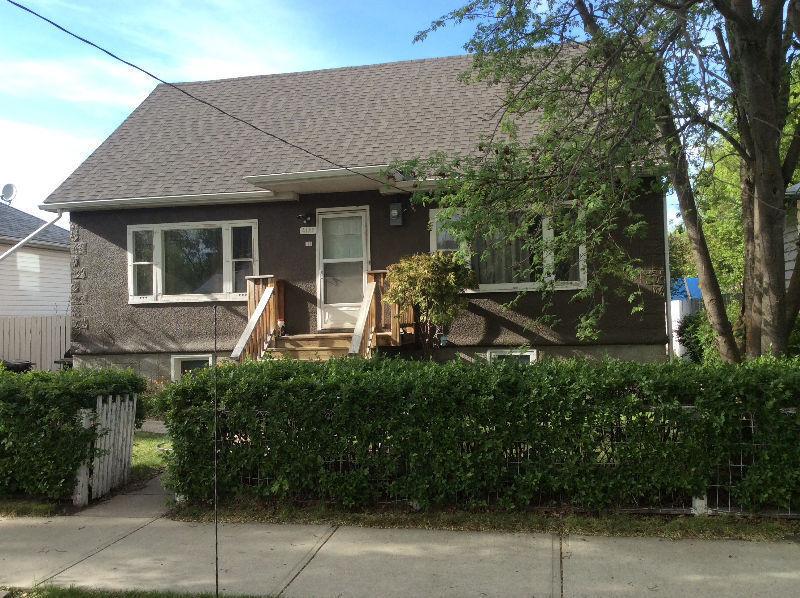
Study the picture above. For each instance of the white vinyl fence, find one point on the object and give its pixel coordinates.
(38, 339)
(111, 466)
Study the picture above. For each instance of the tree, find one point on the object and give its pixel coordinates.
(619, 89)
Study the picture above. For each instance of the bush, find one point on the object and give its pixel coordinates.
(42, 441)
(433, 284)
(356, 432)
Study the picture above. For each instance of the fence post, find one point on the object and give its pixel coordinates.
(80, 496)
(700, 505)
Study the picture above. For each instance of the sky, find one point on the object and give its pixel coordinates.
(59, 99)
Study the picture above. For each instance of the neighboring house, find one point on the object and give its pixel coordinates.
(174, 211)
(687, 299)
(34, 290)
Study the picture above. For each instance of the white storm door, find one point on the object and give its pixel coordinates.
(342, 264)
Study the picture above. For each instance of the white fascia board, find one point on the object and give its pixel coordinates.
(199, 199)
(263, 180)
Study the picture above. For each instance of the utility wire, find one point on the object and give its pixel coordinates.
(216, 458)
(198, 99)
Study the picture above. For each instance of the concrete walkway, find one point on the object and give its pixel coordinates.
(126, 543)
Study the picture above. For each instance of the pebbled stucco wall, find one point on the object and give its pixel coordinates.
(104, 323)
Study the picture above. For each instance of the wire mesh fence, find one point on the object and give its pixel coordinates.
(610, 446)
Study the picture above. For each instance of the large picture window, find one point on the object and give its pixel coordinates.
(507, 265)
(193, 261)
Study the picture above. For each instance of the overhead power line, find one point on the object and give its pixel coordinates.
(196, 98)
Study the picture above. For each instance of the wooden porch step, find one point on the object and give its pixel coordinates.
(303, 341)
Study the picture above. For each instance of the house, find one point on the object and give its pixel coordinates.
(184, 213)
(34, 291)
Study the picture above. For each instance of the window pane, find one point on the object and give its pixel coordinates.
(497, 263)
(187, 365)
(242, 242)
(341, 237)
(445, 240)
(143, 279)
(193, 261)
(344, 282)
(569, 269)
(525, 359)
(240, 270)
(142, 246)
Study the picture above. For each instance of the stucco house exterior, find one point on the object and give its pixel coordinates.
(184, 212)
(34, 290)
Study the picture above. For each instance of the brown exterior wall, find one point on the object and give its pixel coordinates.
(105, 323)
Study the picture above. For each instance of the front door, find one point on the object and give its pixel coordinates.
(342, 264)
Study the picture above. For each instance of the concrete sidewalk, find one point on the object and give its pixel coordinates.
(126, 543)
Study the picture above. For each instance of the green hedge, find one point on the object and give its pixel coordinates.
(593, 435)
(42, 442)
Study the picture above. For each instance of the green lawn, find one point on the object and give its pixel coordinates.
(149, 452)
(54, 592)
(670, 527)
(22, 507)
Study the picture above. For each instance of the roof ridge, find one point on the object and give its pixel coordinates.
(326, 70)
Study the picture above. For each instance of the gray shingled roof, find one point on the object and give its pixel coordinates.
(355, 116)
(15, 225)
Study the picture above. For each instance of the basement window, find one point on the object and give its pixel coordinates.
(181, 364)
(192, 261)
(526, 356)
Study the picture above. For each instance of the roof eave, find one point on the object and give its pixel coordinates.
(168, 201)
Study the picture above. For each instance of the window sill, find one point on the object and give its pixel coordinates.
(166, 299)
(517, 288)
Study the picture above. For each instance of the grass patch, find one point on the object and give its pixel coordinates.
(626, 525)
(56, 592)
(149, 455)
(26, 507)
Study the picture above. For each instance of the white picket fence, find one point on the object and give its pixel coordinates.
(38, 339)
(114, 418)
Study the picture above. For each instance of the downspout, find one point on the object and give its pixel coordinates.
(29, 237)
(668, 285)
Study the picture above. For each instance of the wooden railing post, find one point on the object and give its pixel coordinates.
(264, 307)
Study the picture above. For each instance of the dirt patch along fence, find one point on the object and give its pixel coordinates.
(114, 419)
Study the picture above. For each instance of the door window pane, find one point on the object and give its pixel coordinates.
(240, 270)
(344, 282)
(143, 279)
(242, 242)
(193, 261)
(142, 246)
(342, 237)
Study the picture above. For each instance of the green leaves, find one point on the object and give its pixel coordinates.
(591, 435)
(42, 441)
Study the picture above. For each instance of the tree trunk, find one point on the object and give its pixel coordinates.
(759, 91)
(751, 287)
(679, 174)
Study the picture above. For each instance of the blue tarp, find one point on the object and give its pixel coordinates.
(686, 288)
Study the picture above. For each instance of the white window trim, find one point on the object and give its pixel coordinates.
(176, 360)
(549, 264)
(533, 354)
(227, 261)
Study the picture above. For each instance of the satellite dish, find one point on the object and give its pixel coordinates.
(9, 191)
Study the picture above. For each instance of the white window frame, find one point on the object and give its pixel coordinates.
(532, 354)
(158, 296)
(548, 265)
(175, 362)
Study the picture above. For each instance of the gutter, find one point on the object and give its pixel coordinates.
(30, 236)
